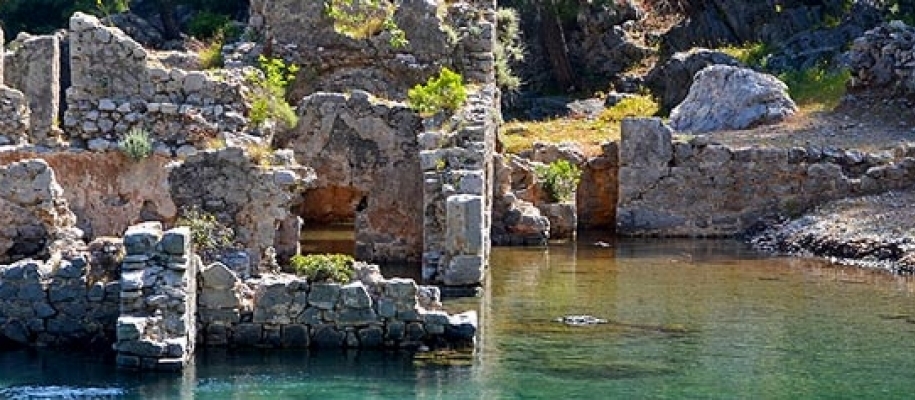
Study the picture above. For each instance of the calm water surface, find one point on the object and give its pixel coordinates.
(687, 319)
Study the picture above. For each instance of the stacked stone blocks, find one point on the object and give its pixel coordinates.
(156, 329)
(287, 311)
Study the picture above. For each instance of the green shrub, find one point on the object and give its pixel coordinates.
(324, 267)
(443, 92)
(268, 101)
(207, 25)
(818, 88)
(361, 19)
(211, 55)
(136, 144)
(509, 48)
(750, 54)
(207, 233)
(560, 179)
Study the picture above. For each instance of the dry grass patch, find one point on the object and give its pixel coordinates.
(588, 133)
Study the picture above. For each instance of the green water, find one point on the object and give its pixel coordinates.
(687, 319)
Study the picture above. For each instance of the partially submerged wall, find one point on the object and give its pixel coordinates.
(696, 188)
(458, 176)
(285, 311)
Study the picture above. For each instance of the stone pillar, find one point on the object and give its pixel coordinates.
(457, 189)
(157, 326)
(34, 69)
(645, 156)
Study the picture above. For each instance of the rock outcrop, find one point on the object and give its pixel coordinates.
(727, 98)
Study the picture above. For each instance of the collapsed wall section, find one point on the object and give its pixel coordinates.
(33, 67)
(698, 189)
(440, 34)
(117, 85)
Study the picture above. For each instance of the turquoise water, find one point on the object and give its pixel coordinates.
(687, 319)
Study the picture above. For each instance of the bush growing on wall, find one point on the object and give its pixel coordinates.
(324, 267)
(445, 92)
(560, 179)
(361, 19)
(136, 144)
(207, 233)
(268, 102)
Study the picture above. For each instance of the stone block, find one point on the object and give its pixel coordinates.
(464, 270)
(309, 316)
(142, 238)
(355, 295)
(464, 224)
(386, 308)
(247, 334)
(371, 337)
(142, 348)
(400, 289)
(218, 298)
(295, 336)
(646, 142)
(131, 328)
(462, 327)
(356, 317)
(176, 241)
(394, 330)
(327, 336)
(218, 276)
(324, 295)
(415, 331)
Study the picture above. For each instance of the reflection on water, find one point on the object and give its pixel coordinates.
(685, 319)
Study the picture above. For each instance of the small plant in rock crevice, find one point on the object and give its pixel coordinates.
(324, 267)
(560, 179)
(136, 144)
(361, 19)
(208, 234)
(445, 92)
(268, 100)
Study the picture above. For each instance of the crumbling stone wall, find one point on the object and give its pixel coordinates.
(698, 188)
(33, 212)
(458, 35)
(457, 172)
(33, 67)
(107, 191)
(255, 200)
(156, 328)
(365, 145)
(118, 85)
(285, 311)
(883, 58)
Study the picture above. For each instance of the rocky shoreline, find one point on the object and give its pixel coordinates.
(872, 232)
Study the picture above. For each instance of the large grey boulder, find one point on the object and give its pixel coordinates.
(670, 81)
(725, 98)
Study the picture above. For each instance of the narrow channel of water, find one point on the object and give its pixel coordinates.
(686, 319)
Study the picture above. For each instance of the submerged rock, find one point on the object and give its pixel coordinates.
(580, 320)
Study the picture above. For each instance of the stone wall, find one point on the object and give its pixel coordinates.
(107, 191)
(457, 35)
(34, 68)
(156, 328)
(366, 149)
(255, 200)
(285, 311)
(56, 304)
(118, 85)
(458, 176)
(697, 188)
(35, 220)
